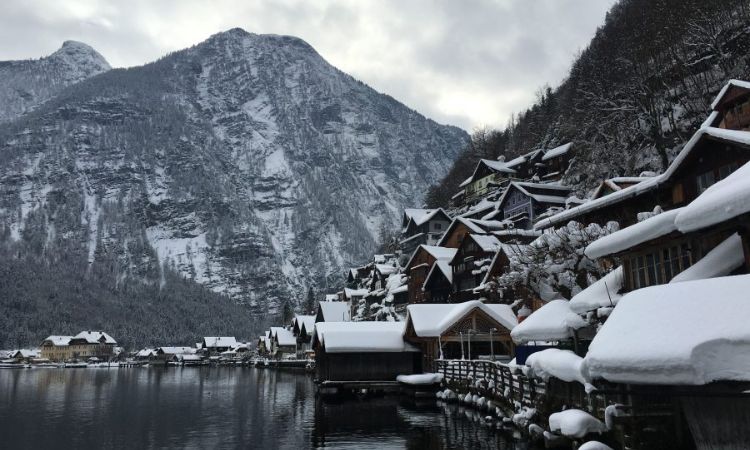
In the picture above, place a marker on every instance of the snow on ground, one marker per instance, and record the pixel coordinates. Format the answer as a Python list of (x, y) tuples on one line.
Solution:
[(420, 379), (693, 332), (561, 364), (602, 293), (552, 322), (182, 252), (721, 261), (575, 423)]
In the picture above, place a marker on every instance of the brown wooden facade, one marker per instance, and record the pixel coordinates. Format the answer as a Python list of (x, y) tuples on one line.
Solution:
[(468, 338), (417, 269), (463, 264)]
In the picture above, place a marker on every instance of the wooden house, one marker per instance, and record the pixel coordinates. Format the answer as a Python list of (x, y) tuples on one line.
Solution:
[(263, 346), (438, 284), (422, 226), (555, 162), (497, 266), (419, 266), (363, 351), (460, 227), (524, 202), (217, 344), (711, 154), (302, 329), (731, 107), (707, 238), (475, 251), (467, 330), (488, 175), (173, 353), (283, 343)]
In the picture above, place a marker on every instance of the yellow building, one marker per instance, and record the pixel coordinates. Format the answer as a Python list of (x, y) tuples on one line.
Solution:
[(84, 345)]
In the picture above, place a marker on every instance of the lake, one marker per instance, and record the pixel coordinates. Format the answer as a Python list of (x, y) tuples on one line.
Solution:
[(219, 408)]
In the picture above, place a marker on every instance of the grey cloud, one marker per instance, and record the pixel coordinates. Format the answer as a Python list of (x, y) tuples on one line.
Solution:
[(464, 63)]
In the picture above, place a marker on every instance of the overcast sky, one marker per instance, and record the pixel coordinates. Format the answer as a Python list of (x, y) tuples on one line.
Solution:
[(468, 63)]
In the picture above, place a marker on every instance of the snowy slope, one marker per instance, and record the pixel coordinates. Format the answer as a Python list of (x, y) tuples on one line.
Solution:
[(247, 163)]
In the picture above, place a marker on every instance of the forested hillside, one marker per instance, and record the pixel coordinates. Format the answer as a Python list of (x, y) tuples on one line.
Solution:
[(632, 98)]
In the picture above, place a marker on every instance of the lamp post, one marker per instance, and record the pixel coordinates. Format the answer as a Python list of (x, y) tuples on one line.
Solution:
[(461, 335), (492, 344)]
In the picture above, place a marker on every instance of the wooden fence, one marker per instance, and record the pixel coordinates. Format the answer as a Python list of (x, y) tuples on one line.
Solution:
[(492, 379)]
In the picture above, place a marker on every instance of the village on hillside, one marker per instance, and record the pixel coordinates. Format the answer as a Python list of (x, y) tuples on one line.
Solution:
[(621, 317), (618, 319)]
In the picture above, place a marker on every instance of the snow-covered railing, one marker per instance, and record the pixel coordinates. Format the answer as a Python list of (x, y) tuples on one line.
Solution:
[(492, 378)]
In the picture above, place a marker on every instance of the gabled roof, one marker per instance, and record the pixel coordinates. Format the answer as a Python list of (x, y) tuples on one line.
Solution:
[(550, 193), (557, 151), (95, 337), (335, 311), (440, 267), (58, 341), (361, 337), (509, 250), (283, 336), (434, 251), (176, 350), (474, 225), (488, 243), (223, 341), (741, 138), (731, 83), (492, 165), (432, 320), (308, 321), (349, 293), (617, 184)]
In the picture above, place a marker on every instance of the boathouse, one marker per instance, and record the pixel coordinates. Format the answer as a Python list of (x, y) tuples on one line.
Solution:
[(363, 351), (468, 330)]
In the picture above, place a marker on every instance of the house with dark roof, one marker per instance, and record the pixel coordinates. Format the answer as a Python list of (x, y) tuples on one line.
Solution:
[(422, 226), (524, 202), (420, 264), (474, 252)]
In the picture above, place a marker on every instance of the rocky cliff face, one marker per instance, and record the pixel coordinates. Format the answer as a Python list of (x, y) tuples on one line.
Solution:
[(247, 163), (26, 84)]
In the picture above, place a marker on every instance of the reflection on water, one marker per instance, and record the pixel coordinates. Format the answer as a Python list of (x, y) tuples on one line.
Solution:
[(216, 408)]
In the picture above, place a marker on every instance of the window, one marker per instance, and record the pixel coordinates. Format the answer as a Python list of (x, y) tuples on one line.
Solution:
[(438, 226), (705, 180), (659, 267)]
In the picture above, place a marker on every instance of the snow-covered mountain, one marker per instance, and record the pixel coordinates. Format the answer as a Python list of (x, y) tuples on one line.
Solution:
[(26, 84), (247, 163)]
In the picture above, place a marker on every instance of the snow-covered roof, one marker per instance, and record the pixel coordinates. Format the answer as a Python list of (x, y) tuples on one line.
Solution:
[(488, 243), (307, 320), (386, 269), (146, 352), (517, 232), (540, 192), (349, 293), (432, 320), (552, 322), (723, 91), (719, 262), (283, 336), (58, 341), (576, 424), (557, 151), (494, 165), (25, 353), (601, 293), (475, 226), (362, 337), (95, 337), (629, 237), (733, 136), (693, 333), (421, 216), (722, 201), (177, 350), (440, 266), (335, 311), (332, 297), (219, 341)]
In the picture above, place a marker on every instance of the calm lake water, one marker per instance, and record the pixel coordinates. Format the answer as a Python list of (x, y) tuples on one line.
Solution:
[(218, 408)]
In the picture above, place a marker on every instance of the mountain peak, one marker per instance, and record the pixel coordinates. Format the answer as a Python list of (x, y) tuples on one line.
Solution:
[(81, 55)]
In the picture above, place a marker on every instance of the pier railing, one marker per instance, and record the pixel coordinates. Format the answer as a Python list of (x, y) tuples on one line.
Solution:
[(492, 379)]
